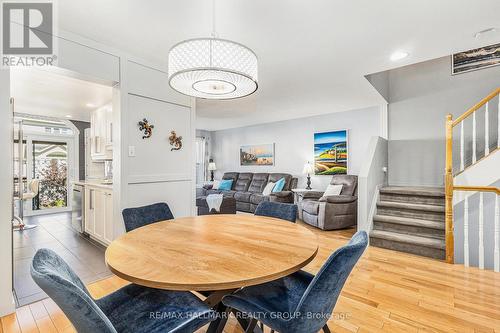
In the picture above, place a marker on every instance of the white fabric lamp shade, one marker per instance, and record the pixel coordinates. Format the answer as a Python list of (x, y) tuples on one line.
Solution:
[(308, 169), (212, 68), (212, 166)]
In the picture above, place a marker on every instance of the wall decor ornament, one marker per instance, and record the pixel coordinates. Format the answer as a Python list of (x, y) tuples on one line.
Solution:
[(257, 154), (330, 153), (471, 60), (145, 126), (175, 141)]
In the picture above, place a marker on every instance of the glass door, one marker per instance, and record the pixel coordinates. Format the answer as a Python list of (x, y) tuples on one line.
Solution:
[(50, 167)]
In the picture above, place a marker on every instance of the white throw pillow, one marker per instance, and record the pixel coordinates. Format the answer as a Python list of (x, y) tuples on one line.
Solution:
[(331, 190), (269, 187), (216, 185)]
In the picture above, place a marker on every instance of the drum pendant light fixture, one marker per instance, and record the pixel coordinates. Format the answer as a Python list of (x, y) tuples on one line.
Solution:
[(212, 68)]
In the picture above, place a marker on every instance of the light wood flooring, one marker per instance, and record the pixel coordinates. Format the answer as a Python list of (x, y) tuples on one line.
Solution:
[(388, 291)]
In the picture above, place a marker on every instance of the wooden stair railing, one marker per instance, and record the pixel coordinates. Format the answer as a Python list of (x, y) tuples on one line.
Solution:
[(449, 185)]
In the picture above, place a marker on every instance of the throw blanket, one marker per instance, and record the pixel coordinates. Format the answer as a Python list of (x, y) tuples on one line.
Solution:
[(214, 201)]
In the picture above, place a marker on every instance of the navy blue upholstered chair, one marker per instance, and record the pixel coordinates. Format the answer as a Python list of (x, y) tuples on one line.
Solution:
[(279, 210), (140, 216), (300, 302), (130, 309)]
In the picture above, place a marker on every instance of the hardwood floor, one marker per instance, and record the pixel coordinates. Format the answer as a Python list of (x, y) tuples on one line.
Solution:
[(387, 292)]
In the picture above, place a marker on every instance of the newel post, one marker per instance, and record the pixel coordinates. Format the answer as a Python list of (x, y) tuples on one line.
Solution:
[(449, 191)]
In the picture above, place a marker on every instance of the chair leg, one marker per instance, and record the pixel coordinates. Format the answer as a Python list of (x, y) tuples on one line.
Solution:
[(326, 329), (251, 326)]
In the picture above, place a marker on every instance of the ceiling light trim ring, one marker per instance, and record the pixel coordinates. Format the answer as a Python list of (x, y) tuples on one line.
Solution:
[(213, 68)]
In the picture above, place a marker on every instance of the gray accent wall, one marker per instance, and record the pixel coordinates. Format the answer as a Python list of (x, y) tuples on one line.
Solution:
[(293, 141), (420, 96)]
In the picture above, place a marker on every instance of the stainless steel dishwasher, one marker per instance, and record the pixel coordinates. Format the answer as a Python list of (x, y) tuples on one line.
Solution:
[(77, 215)]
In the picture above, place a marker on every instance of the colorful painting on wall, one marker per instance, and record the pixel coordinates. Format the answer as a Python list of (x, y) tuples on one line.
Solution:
[(257, 154), (471, 60), (330, 153)]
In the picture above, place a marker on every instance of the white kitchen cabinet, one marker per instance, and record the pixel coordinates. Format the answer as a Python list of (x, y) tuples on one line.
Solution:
[(108, 217), (101, 133), (99, 214), (89, 210)]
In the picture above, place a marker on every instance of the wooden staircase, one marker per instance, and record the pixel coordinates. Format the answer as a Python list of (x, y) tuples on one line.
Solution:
[(411, 219)]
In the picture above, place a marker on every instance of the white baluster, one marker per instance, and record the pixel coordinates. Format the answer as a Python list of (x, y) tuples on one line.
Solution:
[(462, 153), (466, 231), (473, 138), (498, 122), (487, 130), (481, 231), (497, 236)]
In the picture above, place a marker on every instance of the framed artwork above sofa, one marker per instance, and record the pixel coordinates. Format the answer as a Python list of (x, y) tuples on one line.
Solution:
[(257, 154), (331, 153)]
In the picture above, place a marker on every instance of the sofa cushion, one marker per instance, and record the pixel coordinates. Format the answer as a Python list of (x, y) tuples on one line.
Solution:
[(257, 198), (258, 183), (279, 186), (212, 191), (228, 194), (243, 206), (231, 175), (242, 196), (274, 177), (243, 182), (226, 185), (349, 182), (310, 206)]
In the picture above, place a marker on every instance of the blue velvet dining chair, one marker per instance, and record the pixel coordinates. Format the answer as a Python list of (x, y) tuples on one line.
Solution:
[(279, 210), (300, 302), (140, 216), (130, 309)]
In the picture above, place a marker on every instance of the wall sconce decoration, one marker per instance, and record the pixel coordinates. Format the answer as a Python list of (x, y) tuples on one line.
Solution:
[(146, 127), (175, 141)]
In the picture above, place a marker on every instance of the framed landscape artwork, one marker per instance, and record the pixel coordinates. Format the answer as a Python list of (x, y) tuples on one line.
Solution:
[(257, 154), (471, 60), (330, 153)]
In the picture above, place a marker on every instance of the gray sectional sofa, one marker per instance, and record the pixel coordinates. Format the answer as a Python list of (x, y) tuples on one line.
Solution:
[(247, 189)]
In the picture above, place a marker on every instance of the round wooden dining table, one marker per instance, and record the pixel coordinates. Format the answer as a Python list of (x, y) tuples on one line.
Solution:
[(211, 252)]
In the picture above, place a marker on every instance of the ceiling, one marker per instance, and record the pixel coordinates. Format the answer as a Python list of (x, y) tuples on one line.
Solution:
[(313, 55), (45, 93)]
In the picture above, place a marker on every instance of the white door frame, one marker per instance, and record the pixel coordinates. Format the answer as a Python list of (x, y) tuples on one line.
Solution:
[(72, 166)]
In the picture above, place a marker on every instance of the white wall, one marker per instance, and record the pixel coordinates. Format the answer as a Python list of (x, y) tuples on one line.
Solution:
[(6, 297), (155, 173), (372, 177), (294, 145)]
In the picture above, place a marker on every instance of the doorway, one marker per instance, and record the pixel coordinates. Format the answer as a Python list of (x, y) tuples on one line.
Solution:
[(51, 113)]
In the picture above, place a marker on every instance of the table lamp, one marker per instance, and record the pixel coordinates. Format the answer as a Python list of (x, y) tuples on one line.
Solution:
[(212, 167), (308, 170)]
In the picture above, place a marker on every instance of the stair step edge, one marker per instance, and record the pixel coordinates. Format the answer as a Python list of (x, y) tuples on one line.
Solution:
[(410, 206), (409, 239), (409, 221), (416, 191)]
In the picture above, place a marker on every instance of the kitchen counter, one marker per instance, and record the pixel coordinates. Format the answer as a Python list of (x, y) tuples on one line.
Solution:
[(94, 183)]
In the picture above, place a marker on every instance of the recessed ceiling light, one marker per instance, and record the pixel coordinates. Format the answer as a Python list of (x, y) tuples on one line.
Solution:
[(90, 105), (483, 32), (68, 116), (398, 55)]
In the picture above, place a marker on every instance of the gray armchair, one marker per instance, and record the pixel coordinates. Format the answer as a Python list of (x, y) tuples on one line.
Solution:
[(333, 212)]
